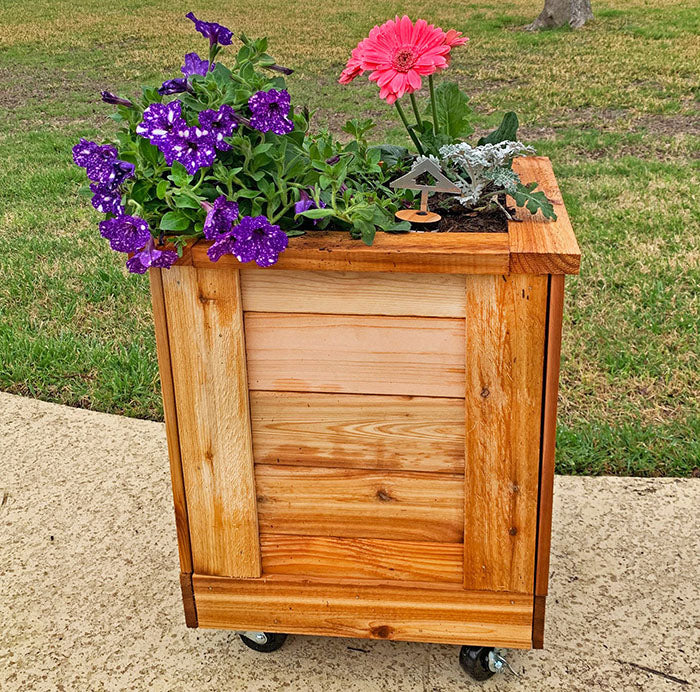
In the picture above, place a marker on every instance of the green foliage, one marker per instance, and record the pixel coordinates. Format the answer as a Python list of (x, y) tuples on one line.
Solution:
[(507, 131), (453, 111), (525, 196)]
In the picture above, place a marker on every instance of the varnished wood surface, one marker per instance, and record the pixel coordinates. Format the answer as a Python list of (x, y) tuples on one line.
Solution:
[(358, 431), (432, 253), (356, 503), (361, 558), (505, 355), (171, 422), (538, 245), (346, 609), (208, 360), (188, 599), (357, 354), (549, 432), (353, 293)]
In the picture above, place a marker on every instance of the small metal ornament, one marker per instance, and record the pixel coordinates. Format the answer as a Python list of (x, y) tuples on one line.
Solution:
[(408, 181)]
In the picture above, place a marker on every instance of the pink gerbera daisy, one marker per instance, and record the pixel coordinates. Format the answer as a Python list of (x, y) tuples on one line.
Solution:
[(354, 67), (398, 53)]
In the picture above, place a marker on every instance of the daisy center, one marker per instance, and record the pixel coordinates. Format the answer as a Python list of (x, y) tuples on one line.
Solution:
[(404, 59)]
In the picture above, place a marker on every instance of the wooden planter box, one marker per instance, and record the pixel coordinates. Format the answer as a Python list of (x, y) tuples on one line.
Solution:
[(362, 439)]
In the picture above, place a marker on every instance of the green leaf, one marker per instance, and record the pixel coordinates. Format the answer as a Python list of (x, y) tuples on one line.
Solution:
[(390, 153), (179, 174), (453, 110), (432, 142), (507, 131), (186, 202), (161, 189), (525, 196), (317, 213), (174, 221)]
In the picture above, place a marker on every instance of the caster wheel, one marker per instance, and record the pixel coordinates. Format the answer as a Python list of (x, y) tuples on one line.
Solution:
[(264, 642), (475, 661)]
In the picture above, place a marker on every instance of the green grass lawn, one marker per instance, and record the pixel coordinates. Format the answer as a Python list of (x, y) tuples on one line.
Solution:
[(615, 105)]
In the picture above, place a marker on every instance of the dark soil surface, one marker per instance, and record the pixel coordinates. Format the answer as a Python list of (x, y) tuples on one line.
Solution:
[(457, 219)]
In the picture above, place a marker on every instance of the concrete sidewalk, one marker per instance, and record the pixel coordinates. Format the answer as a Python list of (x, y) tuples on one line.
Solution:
[(90, 594)]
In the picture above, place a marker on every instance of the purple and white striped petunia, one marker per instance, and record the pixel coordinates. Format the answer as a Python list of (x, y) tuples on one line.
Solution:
[(107, 199), (216, 33), (219, 124), (195, 65), (270, 111), (161, 121), (220, 218), (149, 256), (254, 238), (125, 233), (194, 151)]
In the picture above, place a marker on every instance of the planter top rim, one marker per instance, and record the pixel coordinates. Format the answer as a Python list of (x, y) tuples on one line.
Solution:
[(532, 245)]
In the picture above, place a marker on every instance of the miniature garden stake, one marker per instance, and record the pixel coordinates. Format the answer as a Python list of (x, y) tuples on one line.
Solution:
[(410, 182)]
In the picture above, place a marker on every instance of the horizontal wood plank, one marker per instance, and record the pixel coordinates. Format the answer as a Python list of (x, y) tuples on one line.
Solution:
[(340, 558), (539, 246), (358, 431), (354, 293), (356, 503), (423, 253), (328, 608), (359, 354)]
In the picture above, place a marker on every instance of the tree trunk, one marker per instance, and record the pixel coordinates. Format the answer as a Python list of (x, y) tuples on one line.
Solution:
[(556, 13)]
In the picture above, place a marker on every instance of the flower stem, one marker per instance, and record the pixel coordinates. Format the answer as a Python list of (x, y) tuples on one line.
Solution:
[(411, 133), (433, 105), (416, 112)]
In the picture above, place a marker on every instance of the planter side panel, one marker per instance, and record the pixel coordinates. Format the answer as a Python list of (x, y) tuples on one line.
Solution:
[(506, 318), (208, 363)]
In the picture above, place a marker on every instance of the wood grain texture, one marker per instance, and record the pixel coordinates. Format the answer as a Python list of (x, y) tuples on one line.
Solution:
[(538, 246), (361, 558), (188, 599), (328, 608), (423, 253), (208, 358), (353, 293), (538, 622), (505, 347), (355, 354), (355, 503), (358, 431), (549, 432), (171, 425)]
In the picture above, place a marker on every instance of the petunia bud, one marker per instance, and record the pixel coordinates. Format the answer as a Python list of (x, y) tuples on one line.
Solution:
[(279, 68), (109, 97), (174, 86)]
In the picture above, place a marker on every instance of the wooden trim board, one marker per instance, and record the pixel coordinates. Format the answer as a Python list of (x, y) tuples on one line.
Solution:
[(422, 613)]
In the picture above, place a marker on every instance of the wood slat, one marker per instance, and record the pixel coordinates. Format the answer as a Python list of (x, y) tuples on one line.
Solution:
[(358, 431), (340, 558), (358, 354), (423, 253), (355, 503), (208, 360), (505, 347), (171, 426), (549, 431), (353, 293), (327, 608), (539, 246)]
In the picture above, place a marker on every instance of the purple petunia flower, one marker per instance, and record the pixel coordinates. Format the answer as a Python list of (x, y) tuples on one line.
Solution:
[(107, 199), (149, 256), (270, 111), (125, 233), (194, 151), (195, 65), (254, 238), (121, 170), (211, 30), (306, 202), (220, 218), (96, 159), (219, 124), (174, 86), (161, 121), (83, 151), (109, 97)]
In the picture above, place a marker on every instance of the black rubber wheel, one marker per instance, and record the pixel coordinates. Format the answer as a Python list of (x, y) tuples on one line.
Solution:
[(274, 642), (475, 661)]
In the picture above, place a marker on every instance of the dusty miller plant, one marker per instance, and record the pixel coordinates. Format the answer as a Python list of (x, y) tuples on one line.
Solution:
[(484, 173)]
